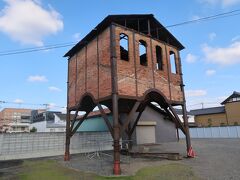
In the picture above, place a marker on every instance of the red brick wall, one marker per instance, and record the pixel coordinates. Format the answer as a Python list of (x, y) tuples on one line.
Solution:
[(72, 81), (146, 77), (84, 70), (86, 76), (105, 84)]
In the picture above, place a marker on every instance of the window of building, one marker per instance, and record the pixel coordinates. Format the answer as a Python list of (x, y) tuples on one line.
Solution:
[(124, 47), (159, 63), (143, 53), (173, 62)]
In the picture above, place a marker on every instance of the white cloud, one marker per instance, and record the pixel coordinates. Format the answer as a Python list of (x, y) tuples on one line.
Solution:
[(53, 88), (210, 72), (190, 58), (77, 36), (195, 17), (223, 3), (27, 22), (37, 78), (223, 55), (19, 101), (236, 38), (196, 93), (51, 105), (229, 2), (212, 36)]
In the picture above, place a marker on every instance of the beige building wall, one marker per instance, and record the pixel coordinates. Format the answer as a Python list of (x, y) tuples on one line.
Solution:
[(9, 115), (233, 112), (211, 120)]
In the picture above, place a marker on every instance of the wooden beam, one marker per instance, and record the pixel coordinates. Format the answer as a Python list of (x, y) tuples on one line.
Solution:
[(104, 116), (135, 123), (74, 119), (79, 123), (175, 117), (130, 115)]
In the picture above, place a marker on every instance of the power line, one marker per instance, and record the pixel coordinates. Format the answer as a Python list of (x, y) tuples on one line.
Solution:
[(43, 48), (55, 46), (207, 18), (31, 104)]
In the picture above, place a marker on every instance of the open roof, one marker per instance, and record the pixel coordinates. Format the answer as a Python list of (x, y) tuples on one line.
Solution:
[(138, 22)]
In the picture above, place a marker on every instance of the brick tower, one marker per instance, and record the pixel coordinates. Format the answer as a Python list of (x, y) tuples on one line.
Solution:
[(125, 63)]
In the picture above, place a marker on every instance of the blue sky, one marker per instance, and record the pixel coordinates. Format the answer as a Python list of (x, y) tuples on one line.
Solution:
[(211, 59)]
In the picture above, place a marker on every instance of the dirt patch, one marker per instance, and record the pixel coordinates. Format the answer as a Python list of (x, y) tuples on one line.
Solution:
[(7, 164)]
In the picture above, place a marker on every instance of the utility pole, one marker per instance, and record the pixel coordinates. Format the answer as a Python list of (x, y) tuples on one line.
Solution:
[(46, 109)]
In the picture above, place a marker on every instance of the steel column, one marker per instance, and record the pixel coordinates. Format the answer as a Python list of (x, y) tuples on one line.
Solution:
[(116, 128), (184, 109), (68, 136), (185, 119)]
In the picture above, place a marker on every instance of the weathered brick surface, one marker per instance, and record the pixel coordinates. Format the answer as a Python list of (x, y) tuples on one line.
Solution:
[(86, 76), (105, 84), (146, 77), (126, 69), (81, 67), (161, 76), (83, 76), (92, 68), (72, 81)]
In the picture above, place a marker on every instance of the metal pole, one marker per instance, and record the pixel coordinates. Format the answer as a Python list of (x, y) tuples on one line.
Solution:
[(68, 132), (68, 136), (116, 128), (184, 109), (185, 118)]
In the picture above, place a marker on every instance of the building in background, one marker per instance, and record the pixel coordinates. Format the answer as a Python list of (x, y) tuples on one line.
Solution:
[(12, 118), (227, 114), (48, 121)]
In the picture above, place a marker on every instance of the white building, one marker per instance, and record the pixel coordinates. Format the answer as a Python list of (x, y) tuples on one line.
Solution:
[(56, 124)]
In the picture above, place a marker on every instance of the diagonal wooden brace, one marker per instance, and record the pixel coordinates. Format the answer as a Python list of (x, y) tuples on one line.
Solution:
[(79, 123), (175, 117), (129, 117), (104, 116)]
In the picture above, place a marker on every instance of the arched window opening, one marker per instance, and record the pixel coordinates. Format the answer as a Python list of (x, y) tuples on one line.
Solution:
[(159, 63), (124, 47), (143, 53), (173, 62)]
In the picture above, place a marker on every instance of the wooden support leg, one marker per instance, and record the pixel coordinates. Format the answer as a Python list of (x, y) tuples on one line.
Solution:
[(68, 136)]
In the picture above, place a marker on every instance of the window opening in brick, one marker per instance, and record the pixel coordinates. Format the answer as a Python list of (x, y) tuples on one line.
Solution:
[(124, 47), (143, 53), (173, 62), (159, 63)]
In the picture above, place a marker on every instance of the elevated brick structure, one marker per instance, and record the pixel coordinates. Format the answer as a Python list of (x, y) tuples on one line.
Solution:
[(125, 63)]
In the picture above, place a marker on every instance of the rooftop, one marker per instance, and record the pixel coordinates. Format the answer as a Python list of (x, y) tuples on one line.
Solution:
[(137, 22), (235, 94), (213, 110)]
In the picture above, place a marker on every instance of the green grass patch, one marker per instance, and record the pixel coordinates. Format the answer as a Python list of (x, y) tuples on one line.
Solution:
[(50, 169)]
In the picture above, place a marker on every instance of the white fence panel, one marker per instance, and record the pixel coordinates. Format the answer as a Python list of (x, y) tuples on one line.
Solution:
[(30, 145), (213, 132)]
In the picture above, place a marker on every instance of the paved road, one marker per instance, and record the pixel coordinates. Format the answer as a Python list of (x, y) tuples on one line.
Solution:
[(216, 158)]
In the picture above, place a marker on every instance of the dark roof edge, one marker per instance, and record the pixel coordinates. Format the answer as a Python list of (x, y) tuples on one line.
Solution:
[(234, 94), (105, 23)]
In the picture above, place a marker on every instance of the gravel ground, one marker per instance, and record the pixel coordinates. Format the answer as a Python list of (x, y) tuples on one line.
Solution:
[(216, 159)]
